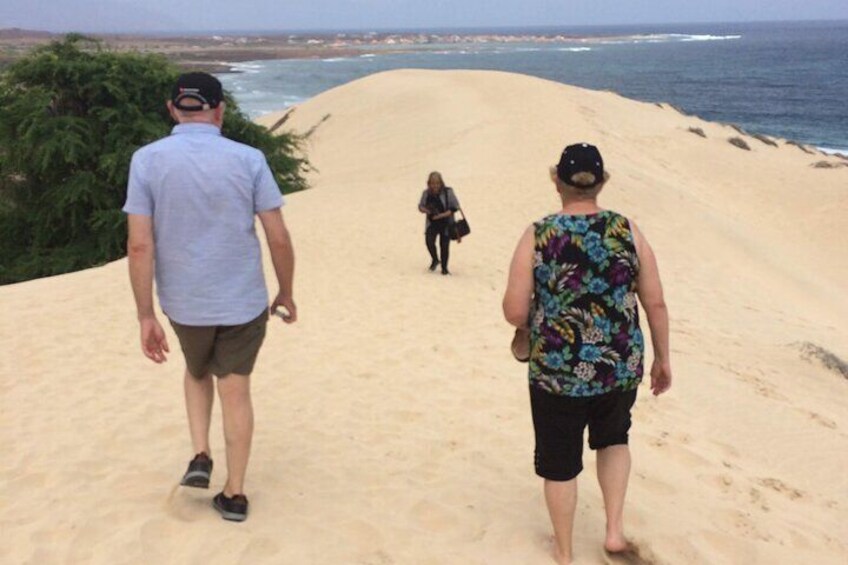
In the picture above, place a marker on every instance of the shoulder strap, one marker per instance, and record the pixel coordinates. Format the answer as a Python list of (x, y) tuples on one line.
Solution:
[(448, 192)]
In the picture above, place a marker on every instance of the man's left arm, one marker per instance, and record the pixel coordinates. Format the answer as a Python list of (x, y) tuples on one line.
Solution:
[(282, 257)]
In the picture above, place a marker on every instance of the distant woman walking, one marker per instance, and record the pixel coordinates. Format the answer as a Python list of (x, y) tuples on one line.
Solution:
[(572, 287), (439, 203)]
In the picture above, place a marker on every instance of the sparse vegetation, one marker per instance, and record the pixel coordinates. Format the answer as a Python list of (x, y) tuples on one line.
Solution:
[(802, 147), (811, 351), (828, 165), (739, 142), (765, 139)]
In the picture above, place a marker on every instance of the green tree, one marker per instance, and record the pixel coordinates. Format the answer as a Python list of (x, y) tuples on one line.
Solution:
[(71, 115)]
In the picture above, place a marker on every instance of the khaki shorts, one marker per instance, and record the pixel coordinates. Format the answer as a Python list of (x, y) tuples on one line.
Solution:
[(221, 350)]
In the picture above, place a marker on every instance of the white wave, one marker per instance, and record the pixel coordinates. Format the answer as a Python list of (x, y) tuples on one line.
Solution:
[(668, 38), (709, 37), (334, 59), (251, 68), (367, 55), (833, 151), (574, 49)]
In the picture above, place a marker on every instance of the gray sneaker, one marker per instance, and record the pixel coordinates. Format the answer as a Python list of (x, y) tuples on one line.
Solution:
[(233, 509), (198, 473)]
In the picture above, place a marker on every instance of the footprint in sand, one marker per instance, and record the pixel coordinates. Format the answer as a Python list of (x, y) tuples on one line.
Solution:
[(655, 486), (779, 486), (637, 553), (433, 517), (759, 500), (184, 506), (728, 450), (826, 422), (260, 550), (378, 557)]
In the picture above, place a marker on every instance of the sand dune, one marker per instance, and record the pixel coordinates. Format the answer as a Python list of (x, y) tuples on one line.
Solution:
[(393, 426)]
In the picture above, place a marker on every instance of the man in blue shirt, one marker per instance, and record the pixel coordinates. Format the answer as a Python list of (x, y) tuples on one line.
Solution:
[(191, 202)]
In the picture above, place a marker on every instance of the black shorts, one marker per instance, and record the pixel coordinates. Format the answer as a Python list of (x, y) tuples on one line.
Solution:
[(221, 350), (559, 422)]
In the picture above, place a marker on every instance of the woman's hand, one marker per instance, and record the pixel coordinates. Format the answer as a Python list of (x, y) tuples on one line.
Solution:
[(660, 377)]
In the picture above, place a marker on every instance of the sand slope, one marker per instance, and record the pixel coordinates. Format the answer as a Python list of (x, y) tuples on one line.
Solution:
[(392, 424)]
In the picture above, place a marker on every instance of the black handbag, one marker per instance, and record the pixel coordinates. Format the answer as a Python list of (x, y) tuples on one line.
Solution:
[(460, 227)]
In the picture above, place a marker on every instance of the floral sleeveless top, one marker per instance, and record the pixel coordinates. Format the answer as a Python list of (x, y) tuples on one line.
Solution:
[(584, 330)]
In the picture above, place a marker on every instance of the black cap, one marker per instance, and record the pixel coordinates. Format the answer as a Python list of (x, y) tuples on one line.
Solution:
[(580, 158), (204, 89)]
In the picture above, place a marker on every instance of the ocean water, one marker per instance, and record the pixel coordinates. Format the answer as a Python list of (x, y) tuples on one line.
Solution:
[(787, 79)]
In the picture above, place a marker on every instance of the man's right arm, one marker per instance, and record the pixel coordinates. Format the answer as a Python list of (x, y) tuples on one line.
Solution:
[(140, 257), (282, 257)]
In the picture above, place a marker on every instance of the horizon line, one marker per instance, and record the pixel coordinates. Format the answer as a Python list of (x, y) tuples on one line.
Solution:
[(399, 30)]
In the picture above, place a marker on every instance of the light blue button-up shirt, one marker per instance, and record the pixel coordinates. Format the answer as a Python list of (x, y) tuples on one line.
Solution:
[(203, 192)]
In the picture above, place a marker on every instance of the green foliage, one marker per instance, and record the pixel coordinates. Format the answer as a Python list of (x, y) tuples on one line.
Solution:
[(71, 116)]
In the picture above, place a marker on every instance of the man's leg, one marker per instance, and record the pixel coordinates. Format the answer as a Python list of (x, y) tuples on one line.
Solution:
[(237, 412), (561, 498), (613, 464), (199, 395)]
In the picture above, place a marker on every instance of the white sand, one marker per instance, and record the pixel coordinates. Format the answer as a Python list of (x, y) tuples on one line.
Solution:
[(393, 425)]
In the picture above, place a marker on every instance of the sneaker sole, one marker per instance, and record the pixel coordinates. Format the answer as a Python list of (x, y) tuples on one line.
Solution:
[(231, 516), (196, 480)]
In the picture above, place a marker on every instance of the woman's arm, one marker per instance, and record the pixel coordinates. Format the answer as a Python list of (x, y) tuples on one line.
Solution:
[(453, 201), (650, 291), (422, 204), (519, 288)]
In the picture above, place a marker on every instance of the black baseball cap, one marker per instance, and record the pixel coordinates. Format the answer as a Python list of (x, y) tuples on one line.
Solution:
[(580, 158), (202, 88)]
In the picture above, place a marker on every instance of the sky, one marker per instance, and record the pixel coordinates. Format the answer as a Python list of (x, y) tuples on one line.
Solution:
[(284, 15)]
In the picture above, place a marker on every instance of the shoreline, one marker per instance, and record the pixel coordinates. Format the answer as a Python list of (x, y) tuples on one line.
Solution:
[(217, 53)]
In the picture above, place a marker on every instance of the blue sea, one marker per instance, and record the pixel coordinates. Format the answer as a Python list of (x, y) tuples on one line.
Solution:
[(786, 79)]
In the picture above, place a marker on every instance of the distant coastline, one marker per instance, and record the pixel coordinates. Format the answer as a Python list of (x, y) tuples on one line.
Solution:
[(217, 53), (706, 69)]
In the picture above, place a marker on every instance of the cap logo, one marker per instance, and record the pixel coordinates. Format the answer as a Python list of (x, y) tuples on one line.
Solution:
[(202, 89)]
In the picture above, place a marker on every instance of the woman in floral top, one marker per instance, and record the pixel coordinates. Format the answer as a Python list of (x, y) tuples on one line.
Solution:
[(573, 287)]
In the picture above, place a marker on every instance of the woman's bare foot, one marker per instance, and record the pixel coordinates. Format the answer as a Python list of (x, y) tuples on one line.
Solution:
[(616, 543), (560, 558), (623, 551)]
